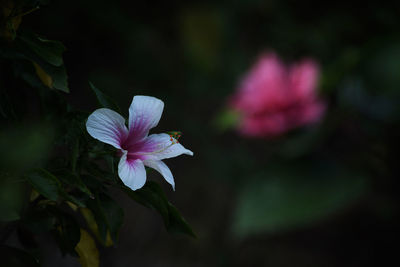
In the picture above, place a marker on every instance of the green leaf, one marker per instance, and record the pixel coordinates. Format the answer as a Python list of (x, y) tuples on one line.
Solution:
[(25, 70), (67, 233), (152, 196), (74, 180), (45, 183), (176, 223), (114, 215), (52, 77), (104, 100), (47, 55), (51, 187), (77, 201), (100, 175), (48, 50), (108, 214), (16, 257), (284, 199)]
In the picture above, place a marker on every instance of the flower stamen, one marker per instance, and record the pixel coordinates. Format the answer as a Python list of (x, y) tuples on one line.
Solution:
[(160, 148)]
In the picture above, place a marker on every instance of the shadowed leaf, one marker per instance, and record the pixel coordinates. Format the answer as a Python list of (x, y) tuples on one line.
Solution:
[(45, 183), (152, 196), (296, 197), (16, 257), (104, 100), (108, 215)]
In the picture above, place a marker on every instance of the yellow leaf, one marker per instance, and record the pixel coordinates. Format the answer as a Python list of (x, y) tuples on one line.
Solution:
[(87, 251), (43, 76), (72, 206), (91, 221), (12, 16), (34, 195)]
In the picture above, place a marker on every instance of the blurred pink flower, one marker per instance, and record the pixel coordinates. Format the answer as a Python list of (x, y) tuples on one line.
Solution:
[(273, 98)]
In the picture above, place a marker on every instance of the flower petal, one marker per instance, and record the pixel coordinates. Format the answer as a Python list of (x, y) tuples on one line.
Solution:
[(263, 87), (303, 79), (107, 126), (132, 172), (144, 114), (163, 169), (165, 147)]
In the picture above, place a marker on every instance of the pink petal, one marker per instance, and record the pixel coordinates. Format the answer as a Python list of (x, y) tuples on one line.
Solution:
[(264, 126), (132, 172), (312, 112), (107, 126), (144, 114), (303, 79), (163, 169), (263, 87)]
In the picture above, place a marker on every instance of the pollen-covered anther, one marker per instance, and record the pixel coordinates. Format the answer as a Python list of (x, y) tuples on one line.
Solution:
[(173, 140)]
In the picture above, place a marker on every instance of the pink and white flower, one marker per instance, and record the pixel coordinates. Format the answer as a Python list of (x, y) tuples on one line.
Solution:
[(138, 149)]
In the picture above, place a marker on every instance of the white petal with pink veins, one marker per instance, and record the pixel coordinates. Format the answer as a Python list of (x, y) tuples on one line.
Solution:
[(163, 169), (107, 126), (144, 114), (138, 149), (132, 173), (166, 147)]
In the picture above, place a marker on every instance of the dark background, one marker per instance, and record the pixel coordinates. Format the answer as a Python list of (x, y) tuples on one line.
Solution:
[(323, 195)]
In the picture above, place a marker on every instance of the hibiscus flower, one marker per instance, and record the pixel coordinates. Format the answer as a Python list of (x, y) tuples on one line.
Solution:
[(138, 149), (273, 98)]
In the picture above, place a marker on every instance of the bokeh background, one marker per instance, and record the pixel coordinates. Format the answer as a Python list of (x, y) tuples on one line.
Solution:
[(321, 195)]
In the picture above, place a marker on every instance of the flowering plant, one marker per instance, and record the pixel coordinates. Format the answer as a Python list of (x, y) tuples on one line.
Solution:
[(57, 180), (137, 149)]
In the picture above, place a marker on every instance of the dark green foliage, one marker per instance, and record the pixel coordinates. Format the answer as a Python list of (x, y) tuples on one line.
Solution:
[(51, 170), (323, 190), (66, 231), (321, 195), (15, 257), (152, 196), (104, 100), (45, 183), (108, 214), (48, 50), (47, 54), (29, 49), (73, 180)]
